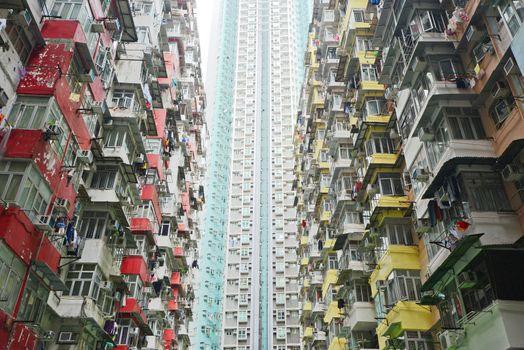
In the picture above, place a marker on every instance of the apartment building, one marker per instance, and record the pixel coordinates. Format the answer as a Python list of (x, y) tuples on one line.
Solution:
[(102, 165), (409, 166)]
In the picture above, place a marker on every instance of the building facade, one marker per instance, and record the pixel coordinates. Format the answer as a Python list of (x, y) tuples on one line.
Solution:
[(260, 287), (409, 170), (102, 165)]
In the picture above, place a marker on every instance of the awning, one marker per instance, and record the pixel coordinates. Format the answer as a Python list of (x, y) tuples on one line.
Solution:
[(460, 249), (51, 279), (125, 16), (151, 125), (340, 241), (393, 331)]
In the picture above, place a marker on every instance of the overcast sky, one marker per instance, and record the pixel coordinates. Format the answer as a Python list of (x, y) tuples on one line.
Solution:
[(206, 9)]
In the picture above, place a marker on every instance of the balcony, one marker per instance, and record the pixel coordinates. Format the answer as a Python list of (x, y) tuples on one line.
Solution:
[(135, 265), (96, 251), (395, 257), (319, 336), (360, 316), (405, 315), (382, 206), (82, 308), (133, 309), (338, 343)]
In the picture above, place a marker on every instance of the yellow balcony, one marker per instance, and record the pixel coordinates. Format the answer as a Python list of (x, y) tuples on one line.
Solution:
[(304, 261), (307, 307), (308, 333), (367, 57), (378, 119), (325, 215), (369, 85), (333, 312), (318, 99), (384, 159), (329, 278), (404, 316), (338, 343), (304, 240), (383, 207), (306, 283), (397, 257)]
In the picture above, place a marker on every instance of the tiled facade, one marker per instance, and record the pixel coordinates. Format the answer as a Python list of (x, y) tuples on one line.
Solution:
[(409, 171), (102, 163)]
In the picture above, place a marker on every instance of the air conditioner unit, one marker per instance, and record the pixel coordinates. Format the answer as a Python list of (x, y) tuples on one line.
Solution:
[(113, 25), (67, 338), (44, 222), (466, 280), (62, 204), (512, 173), (450, 339), (501, 111), (149, 290), (500, 89), (97, 27), (420, 174), (107, 285), (99, 107), (85, 156), (419, 64), (88, 77), (510, 67), (425, 134)]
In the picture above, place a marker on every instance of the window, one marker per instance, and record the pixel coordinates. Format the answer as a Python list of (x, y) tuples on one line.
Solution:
[(358, 15), (93, 224), (21, 43), (390, 184), (399, 234), (402, 285), (280, 298), (485, 192), (378, 143), (369, 72), (76, 10), (281, 315), (125, 99), (23, 184), (12, 271), (281, 332), (465, 124), (29, 112), (84, 280), (344, 151), (34, 300), (513, 14), (104, 179), (103, 65), (375, 107)]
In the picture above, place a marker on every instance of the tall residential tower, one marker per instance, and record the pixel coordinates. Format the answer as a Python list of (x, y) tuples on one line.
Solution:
[(256, 91)]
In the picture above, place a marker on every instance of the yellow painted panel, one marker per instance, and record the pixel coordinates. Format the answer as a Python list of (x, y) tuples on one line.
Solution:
[(332, 312), (338, 343), (307, 306), (384, 158), (401, 202), (304, 240), (372, 85), (323, 165), (330, 243), (329, 279), (412, 317), (325, 215), (357, 4), (324, 190), (304, 261), (308, 332), (397, 257), (381, 118)]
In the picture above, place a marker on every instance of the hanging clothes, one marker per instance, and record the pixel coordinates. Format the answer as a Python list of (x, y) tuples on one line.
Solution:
[(341, 303), (320, 245), (431, 212)]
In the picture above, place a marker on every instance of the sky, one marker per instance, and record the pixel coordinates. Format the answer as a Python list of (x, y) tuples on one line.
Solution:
[(205, 11)]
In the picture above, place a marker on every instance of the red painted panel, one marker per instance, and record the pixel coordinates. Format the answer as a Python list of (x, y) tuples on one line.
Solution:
[(185, 202), (132, 307), (155, 162), (30, 144), (43, 71), (22, 338), (135, 265), (19, 234), (175, 278), (140, 225), (172, 305), (149, 193), (160, 121), (182, 228), (122, 347), (178, 251), (64, 29)]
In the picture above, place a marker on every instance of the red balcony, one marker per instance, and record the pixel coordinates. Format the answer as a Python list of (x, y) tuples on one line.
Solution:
[(178, 252), (30, 144), (133, 311), (21, 338), (169, 338), (176, 279), (150, 193), (143, 226), (19, 234), (185, 203), (172, 305), (183, 229), (160, 115), (135, 265)]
